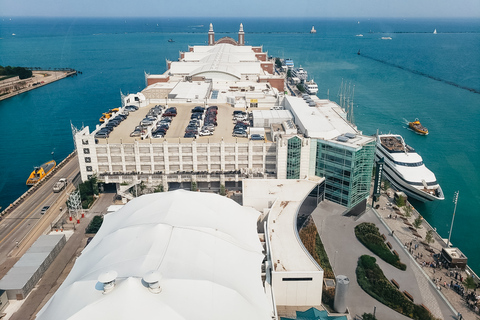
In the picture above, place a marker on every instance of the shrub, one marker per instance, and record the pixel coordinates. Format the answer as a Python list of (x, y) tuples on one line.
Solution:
[(312, 242), (372, 280), (368, 234), (94, 225), (328, 296)]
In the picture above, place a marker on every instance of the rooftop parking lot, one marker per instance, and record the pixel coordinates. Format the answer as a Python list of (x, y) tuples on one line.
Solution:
[(223, 130)]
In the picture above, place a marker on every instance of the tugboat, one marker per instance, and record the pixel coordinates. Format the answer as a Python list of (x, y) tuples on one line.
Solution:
[(417, 127), (40, 172)]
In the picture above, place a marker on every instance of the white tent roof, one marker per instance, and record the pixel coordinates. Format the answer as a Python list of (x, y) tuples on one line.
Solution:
[(205, 247)]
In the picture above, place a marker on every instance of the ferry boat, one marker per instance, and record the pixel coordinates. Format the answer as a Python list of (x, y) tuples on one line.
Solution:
[(40, 172), (405, 169), (417, 127), (311, 87), (313, 30)]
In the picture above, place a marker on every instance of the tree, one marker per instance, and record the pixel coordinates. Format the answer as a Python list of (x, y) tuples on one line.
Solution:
[(300, 87), (408, 210), (193, 187), (158, 188), (429, 236), (400, 202), (289, 73), (368, 316), (385, 185), (469, 283), (418, 222), (95, 224), (278, 63), (222, 190)]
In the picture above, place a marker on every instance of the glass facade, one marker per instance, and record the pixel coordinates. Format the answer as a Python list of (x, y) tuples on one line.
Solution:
[(347, 171), (294, 152)]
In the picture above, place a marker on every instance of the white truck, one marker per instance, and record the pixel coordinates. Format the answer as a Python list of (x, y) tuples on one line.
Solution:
[(60, 185)]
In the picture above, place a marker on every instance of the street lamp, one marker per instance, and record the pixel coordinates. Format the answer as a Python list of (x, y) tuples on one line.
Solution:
[(334, 260)]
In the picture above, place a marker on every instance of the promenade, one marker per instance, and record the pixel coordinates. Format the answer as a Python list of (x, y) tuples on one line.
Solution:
[(440, 278), (424, 279)]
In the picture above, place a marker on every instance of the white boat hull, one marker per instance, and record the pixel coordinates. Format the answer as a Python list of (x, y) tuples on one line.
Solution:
[(412, 192)]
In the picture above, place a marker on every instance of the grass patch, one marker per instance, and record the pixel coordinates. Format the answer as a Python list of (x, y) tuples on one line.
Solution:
[(368, 234), (372, 280)]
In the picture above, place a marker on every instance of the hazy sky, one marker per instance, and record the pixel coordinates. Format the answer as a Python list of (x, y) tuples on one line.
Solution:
[(245, 8)]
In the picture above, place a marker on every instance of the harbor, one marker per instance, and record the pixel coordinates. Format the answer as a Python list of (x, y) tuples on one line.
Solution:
[(420, 207)]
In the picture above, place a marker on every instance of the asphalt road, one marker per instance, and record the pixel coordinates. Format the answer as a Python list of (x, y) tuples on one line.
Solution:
[(22, 226)]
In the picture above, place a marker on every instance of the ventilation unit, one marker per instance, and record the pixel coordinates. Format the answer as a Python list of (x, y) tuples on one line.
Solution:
[(152, 279), (108, 280)]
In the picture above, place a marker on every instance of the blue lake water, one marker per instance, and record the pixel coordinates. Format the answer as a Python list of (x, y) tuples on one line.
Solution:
[(113, 55)]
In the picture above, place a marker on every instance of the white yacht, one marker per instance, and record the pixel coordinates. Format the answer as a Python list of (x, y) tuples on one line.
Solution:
[(300, 73), (311, 87), (404, 168)]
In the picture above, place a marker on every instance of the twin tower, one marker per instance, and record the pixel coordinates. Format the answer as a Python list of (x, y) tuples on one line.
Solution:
[(241, 37)]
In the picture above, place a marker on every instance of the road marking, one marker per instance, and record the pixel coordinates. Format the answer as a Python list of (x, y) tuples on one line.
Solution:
[(33, 211)]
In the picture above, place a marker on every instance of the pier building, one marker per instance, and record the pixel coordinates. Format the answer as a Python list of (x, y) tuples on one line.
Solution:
[(288, 137)]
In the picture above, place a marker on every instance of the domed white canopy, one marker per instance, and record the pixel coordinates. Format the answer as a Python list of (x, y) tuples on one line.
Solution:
[(204, 246)]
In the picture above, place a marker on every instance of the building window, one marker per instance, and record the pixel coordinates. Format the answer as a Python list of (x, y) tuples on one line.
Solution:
[(89, 168), (88, 159), (89, 176), (294, 153), (84, 141), (86, 151)]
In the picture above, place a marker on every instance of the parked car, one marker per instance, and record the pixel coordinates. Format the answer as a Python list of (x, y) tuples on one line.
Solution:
[(209, 127), (190, 135), (205, 133), (256, 137), (240, 134), (131, 108), (102, 135), (198, 109)]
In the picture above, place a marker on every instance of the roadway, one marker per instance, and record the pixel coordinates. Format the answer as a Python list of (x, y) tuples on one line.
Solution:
[(24, 224)]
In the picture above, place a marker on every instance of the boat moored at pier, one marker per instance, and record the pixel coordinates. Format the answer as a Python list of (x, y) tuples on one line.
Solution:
[(405, 169), (40, 172), (311, 87)]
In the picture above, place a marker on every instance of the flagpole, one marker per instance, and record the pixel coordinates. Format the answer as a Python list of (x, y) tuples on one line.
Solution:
[(453, 218)]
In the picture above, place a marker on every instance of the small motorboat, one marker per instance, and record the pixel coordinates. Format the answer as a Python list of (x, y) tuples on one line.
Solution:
[(417, 127)]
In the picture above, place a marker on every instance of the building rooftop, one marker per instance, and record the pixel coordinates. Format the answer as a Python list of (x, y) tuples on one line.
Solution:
[(204, 246), (223, 131), (326, 121), (30, 262), (285, 196)]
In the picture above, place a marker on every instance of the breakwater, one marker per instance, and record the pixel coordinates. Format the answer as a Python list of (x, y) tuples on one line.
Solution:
[(420, 73)]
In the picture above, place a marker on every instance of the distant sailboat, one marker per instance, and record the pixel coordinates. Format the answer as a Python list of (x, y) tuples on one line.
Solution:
[(435, 31), (313, 30)]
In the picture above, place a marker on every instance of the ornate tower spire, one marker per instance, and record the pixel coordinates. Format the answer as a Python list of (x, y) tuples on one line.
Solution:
[(211, 36), (241, 36)]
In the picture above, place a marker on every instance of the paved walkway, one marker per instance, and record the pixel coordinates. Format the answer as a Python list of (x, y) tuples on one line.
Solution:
[(344, 249)]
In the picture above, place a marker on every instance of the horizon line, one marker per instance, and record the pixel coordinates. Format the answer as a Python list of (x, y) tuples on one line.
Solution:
[(249, 17)]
